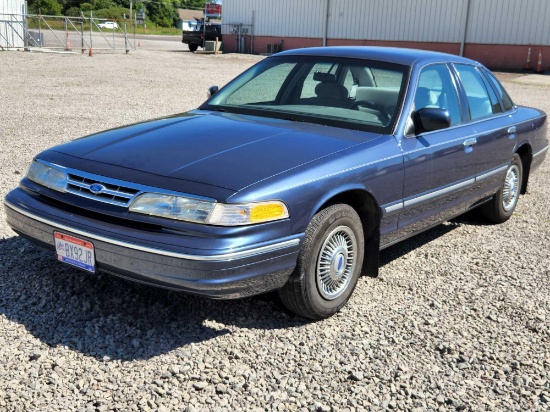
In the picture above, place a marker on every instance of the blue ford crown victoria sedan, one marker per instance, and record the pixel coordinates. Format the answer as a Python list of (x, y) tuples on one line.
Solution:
[(292, 177)]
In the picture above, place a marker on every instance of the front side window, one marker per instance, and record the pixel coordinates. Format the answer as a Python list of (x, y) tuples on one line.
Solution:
[(324, 90), (436, 89)]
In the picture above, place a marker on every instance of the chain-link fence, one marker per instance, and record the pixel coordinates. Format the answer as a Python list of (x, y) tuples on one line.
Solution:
[(65, 33)]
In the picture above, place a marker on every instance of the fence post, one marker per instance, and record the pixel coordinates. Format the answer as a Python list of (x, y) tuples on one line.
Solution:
[(82, 34), (125, 36), (26, 26), (91, 33), (40, 28), (67, 38)]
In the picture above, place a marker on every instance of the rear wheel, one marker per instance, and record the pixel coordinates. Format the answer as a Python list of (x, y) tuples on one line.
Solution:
[(193, 47), (329, 264), (502, 205)]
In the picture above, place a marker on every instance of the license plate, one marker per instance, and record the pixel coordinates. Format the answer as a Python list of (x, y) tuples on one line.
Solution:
[(75, 251)]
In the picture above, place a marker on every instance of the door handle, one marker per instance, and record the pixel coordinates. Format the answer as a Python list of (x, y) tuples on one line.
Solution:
[(512, 130), (470, 142)]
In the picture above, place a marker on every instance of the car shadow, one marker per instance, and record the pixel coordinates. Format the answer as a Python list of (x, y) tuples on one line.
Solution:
[(107, 317), (402, 248), (470, 218), (104, 316)]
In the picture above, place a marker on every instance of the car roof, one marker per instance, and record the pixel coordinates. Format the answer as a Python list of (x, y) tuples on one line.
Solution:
[(409, 57)]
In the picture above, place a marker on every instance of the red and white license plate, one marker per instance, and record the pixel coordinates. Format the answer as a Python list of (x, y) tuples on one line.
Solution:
[(75, 251)]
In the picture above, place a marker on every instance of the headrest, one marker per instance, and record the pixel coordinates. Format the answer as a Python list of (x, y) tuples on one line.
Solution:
[(324, 77), (331, 90), (423, 98)]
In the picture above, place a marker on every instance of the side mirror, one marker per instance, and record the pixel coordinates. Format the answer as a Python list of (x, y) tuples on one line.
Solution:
[(212, 90), (430, 119)]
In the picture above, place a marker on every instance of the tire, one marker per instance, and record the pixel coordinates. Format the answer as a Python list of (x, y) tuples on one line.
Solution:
[(329, 264), (193, 47), (502, 205)]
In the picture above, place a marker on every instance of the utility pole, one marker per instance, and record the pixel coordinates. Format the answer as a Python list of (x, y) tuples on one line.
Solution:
[(131, 15)]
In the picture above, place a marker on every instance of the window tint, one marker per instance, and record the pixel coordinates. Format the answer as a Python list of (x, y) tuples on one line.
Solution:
[(506, 101), (479, 102), (436, 89), (263, 88)]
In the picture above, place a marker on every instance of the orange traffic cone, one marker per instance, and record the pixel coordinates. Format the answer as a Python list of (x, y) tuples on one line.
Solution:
[(139, 44), (90, 52), (539, 64)]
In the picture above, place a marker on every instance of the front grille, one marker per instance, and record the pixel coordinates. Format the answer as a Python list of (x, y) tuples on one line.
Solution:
[(109, 192)]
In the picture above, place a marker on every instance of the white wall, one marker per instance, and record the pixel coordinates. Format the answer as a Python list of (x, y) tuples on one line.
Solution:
[(11, 27), (489, 21)]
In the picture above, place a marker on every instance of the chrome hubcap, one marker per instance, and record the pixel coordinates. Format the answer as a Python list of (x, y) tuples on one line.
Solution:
[(510, 191), (336, 262)]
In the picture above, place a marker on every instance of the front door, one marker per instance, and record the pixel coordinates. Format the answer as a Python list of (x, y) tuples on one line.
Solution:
[(439, 165)]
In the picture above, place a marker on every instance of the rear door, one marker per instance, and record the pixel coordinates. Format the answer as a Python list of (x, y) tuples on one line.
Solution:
[(496, 132)]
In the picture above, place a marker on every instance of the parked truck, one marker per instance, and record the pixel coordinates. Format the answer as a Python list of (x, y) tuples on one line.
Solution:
[(197, 38)]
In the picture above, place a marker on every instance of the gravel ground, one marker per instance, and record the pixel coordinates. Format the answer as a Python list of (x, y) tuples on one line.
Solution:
[(457, 320)]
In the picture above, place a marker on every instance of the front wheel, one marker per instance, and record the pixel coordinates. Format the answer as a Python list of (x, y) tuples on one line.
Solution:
[(502, 205), (329, 264)]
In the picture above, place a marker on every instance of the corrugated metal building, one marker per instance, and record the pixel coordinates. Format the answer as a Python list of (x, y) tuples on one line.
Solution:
[(11, 23), (497, 33)]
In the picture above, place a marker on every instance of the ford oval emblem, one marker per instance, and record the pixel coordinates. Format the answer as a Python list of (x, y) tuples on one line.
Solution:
[(96, 188)]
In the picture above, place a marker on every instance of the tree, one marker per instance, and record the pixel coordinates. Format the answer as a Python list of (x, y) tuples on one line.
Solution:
[(162, 13), (47, 7), (192, 4)]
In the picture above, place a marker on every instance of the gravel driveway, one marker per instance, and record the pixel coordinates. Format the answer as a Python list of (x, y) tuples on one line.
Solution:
[(457, 320)]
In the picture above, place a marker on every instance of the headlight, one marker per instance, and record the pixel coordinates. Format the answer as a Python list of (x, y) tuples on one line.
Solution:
[(172, 207), (206, 212), (47, 176)]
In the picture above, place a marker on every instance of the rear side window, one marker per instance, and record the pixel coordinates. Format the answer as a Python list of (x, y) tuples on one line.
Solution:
[(495, 103), (386, 78), (477, 94), (506, 101)]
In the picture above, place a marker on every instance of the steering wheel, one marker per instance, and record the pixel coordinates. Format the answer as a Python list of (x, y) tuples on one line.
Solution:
[(381, 112)]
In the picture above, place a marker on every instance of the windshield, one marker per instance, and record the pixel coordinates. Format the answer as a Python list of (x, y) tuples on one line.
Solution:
[(351, 93)]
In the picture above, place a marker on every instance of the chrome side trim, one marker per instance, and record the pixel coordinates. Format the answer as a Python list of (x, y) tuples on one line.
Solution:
[(540, 152), (437, 193), (491, 173), (393, 208), (212, 258)]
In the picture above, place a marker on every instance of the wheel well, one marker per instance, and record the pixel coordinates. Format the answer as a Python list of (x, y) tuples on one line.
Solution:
[(363, 203), (526, 154), (369, 212)]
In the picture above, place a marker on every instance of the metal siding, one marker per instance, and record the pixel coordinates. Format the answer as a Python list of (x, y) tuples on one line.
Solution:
[(490, 21), (509, 22), (11, 27), (396, 20), (285, 18)]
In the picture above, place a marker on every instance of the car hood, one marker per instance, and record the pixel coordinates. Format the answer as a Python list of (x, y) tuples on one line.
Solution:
[(219, 149)]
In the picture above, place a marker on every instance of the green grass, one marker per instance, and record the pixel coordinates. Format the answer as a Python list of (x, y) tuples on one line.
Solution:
[(151, 29)]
